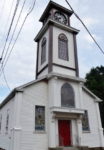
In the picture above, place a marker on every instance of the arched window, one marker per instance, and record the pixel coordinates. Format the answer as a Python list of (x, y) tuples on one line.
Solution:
[(63, 47), (67, 96), (43, 50)]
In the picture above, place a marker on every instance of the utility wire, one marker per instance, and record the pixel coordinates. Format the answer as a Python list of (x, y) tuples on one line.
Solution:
[(14, 30), (2, 67), (85, 28), (1, 84), (5, 79), (16, 7), (6, 25), (30, 11)]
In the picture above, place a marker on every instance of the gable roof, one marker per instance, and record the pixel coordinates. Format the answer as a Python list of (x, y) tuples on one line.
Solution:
[(19, 89), (9, 97), (32, 82), (97, 99)]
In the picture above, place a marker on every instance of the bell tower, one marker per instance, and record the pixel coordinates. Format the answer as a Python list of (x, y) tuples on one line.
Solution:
[(56, 43)]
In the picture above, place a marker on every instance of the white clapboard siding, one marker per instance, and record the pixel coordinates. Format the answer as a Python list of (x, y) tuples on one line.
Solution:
[(5, 138), (91, 138), (33, 95)]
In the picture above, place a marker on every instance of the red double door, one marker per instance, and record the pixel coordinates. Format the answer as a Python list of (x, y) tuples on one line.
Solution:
[(64, 133)]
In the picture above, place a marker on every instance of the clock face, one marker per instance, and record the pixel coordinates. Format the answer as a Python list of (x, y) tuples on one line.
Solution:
[(60, 17)]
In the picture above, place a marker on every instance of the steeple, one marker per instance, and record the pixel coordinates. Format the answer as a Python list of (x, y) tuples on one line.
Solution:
[(56, 43)]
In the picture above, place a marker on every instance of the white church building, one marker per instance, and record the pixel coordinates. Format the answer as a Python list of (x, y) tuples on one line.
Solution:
[(55, 111)]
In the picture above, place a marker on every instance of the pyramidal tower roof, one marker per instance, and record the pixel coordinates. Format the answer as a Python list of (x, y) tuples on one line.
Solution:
[(52, 4)]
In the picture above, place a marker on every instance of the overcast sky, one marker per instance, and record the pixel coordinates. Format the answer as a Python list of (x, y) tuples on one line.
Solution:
[(22, 62)]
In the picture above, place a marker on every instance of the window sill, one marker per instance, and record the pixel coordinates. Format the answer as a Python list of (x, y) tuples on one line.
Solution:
[(39, 132), (86, 131)]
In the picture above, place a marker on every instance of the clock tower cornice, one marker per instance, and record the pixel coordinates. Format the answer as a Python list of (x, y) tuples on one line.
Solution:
[(56, 24)]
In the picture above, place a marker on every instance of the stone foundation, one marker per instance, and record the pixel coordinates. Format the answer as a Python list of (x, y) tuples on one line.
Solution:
[(97, 148), (77, 148)]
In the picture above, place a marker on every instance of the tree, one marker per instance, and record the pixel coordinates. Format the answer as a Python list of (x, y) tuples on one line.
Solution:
[(95, 83)]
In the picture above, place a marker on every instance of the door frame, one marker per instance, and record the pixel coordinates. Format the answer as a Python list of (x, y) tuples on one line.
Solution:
[(70, 131)]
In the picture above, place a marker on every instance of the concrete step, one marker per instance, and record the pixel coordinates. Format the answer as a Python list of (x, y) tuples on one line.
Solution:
[(57, 148), (83, 148)]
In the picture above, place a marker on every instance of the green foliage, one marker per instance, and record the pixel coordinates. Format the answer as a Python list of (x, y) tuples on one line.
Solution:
[(95, 83)]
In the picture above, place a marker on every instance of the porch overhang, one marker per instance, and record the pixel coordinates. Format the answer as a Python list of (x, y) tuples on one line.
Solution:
[(67, 113)]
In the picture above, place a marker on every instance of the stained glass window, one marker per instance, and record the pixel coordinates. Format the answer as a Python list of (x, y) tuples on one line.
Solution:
[(7, 121), (85, 122), (43, 50), (39, 118), (63, 47), (67, 96)]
